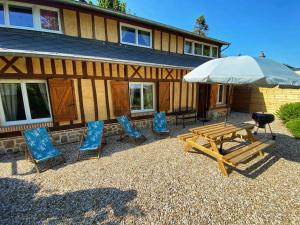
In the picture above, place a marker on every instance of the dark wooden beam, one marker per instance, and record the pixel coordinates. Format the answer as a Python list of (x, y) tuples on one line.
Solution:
[(106, 99), (95, 99), (81, 100), (78, 23)]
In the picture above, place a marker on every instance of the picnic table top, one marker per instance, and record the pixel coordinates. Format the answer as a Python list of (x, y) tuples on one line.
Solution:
[(217, 130)]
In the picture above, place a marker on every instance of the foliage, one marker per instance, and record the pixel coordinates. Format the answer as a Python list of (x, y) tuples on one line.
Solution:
[(116, 5), (294, 127), (201, 27), (289, 111)]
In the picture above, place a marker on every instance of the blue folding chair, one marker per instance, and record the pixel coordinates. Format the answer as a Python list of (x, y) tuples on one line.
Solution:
[(159, 126), (129, 130), (92, 138), (40, 146)]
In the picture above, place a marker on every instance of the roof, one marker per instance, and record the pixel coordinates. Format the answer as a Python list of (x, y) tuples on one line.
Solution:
[(40, 44), (138, 19)]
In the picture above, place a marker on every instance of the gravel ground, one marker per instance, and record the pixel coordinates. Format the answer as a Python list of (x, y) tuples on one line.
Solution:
[(155, 183)]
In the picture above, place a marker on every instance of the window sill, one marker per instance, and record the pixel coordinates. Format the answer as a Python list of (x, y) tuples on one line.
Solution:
[(145, 113)]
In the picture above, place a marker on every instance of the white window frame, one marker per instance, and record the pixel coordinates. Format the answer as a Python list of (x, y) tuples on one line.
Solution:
[(35, 15), (223, 95), (142, 110), (136, 28), (28, 120), (202, 54)]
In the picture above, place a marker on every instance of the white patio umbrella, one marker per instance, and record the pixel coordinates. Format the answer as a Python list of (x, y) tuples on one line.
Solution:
[(244, 70)]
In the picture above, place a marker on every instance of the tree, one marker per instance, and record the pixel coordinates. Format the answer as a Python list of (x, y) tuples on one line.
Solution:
[(116, 5), (201, 27)]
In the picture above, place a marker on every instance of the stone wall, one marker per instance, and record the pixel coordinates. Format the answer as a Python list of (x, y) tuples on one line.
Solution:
[(17, 144)]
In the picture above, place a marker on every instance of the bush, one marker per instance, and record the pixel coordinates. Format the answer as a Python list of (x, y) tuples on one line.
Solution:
[(289, 111), (294, 127)]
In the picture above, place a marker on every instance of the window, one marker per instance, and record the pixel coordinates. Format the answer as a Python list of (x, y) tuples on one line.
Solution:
[(221, 94), (20, 16), (24, 102), (188, 47), (141, 97), (199, 49), (135, 36), (206, 50), (128, 35), (1, 14), (49, 19), (28, 16), (214, 52)]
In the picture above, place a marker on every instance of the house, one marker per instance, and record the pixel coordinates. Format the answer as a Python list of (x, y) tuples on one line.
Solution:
[(63, 63)]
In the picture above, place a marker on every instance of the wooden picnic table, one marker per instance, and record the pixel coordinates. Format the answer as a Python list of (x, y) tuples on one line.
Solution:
[(217, 134)]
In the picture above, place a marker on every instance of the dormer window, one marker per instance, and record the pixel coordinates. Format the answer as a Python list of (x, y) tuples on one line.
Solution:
[(133, 35), (28, 16), (1, 14), (20, 16), (200, 49), (49, 19)]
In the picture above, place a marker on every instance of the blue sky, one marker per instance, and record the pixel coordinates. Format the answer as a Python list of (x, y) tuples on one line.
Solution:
[(272, 26)]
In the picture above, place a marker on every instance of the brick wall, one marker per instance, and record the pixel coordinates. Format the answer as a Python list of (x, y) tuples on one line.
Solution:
[(17, 144)]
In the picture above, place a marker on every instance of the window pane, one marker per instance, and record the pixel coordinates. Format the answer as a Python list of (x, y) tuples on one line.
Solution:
[(135, 96), (188, 47), (206, 50), (148, 96), (20, 16), (49, 20), (221, 89), (214, 52), (12, 101), (1, 14), (38, 100), (144, 38), (128, 35), (198, 49)]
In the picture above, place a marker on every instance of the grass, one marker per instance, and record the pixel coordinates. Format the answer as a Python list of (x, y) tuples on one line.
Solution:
[(294, 127)]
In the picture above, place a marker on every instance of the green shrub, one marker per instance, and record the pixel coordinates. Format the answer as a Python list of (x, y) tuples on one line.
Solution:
[(294, 127), (289, 111)]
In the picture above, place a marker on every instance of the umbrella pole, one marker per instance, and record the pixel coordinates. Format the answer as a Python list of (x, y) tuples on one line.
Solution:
[(229, 97)]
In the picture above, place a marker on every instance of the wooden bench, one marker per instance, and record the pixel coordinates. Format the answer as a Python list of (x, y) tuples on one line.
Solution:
[(185, 114), (240, 155), (184, 137)]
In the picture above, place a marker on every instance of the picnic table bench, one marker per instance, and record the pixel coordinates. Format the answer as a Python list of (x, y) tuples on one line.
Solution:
[(217, 134)]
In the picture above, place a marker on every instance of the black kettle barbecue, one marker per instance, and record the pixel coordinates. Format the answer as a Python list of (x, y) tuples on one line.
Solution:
[(263, 119)]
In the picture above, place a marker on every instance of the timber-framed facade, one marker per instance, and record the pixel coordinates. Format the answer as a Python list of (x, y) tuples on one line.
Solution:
[(88, 72)]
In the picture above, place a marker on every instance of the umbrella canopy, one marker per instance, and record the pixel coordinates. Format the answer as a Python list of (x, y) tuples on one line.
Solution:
[(244, 70)]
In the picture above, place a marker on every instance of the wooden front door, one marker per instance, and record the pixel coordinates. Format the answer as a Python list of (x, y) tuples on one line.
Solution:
[(203, 99)]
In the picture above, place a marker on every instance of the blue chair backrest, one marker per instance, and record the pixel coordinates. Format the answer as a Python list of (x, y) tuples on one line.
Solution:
[(94, 133), (125, 123), (160, 121), (38, 141)]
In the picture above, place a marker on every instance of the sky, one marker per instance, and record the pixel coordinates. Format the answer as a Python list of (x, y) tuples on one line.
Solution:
[(251, 26)]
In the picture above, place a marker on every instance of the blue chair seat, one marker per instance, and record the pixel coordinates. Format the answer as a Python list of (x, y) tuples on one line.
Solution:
[(135, 134), (162, 130), (160, 123), (50, 154), (40, 145), (128, 128), (93, 138)]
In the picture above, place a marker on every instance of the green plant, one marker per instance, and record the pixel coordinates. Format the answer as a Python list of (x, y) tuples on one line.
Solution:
[(294, 127), (289, 111)]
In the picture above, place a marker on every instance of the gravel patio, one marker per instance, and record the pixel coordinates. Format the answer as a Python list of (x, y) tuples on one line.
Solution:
[(155, 183)]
